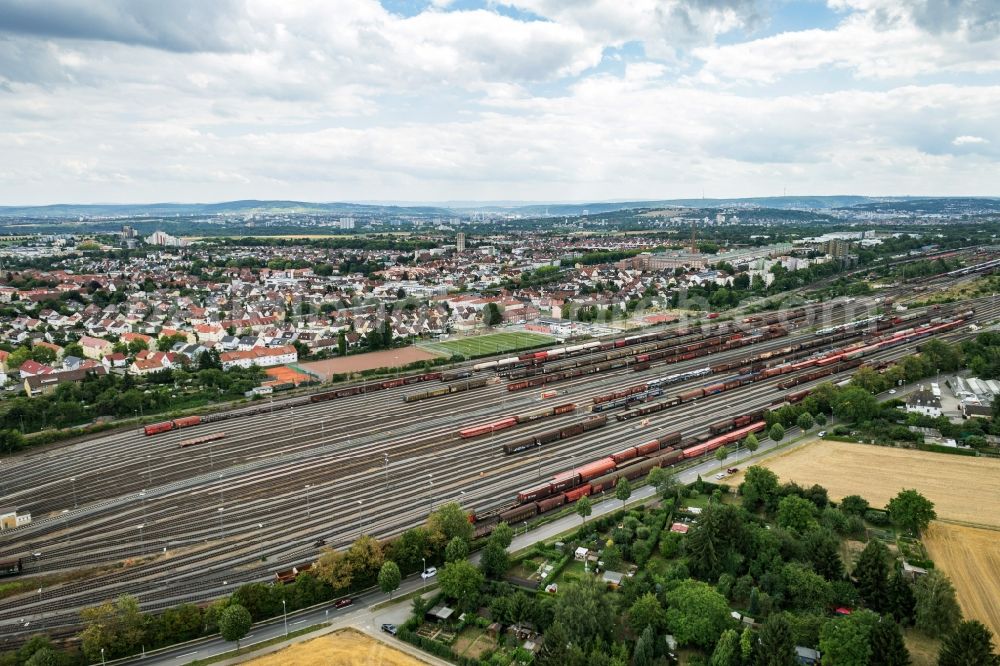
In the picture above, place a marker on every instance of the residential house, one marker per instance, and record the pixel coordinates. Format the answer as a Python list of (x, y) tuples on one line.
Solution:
[(41, 384), (259, 356), (95, 348)]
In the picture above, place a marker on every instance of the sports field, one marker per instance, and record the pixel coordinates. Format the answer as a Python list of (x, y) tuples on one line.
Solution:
[(492, 343)]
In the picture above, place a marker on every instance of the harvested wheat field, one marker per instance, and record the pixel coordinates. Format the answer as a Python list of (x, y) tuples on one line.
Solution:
[(959, 486), (971, 558), (344, 648)]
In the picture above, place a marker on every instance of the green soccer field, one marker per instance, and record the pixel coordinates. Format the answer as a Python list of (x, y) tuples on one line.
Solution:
[(494, 343)]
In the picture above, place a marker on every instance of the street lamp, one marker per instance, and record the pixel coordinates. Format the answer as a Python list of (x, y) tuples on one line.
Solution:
[(260, 542), (73, 481), (308, 508), (222, 528), (423, 571), (142, 540), (359, 518), (284, 611), (386, 458), (142, 495)]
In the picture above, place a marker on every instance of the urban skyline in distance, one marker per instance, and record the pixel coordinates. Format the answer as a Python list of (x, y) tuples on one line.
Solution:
[(499, 100)]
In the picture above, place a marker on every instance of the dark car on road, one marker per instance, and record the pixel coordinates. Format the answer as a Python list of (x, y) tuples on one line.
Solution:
[(389, 629), (343, 603)]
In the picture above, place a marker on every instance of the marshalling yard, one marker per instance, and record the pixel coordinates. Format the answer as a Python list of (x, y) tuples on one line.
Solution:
[(141, 514)]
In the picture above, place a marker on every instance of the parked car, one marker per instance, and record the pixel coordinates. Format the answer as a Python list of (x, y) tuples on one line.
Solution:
[(389, 629), (429, 573), (821, 433), (892, 391), (732, 470), (720, 475), (343, 603)]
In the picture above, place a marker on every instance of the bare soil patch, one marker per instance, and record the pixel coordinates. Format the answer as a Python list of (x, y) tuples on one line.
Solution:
[(971, 558), (344, 648), (959, 486), (389, 358)]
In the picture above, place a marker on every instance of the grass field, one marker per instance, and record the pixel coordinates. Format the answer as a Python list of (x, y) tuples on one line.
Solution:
[(959, 486), (344, 648), (971, 558), (492, 343)]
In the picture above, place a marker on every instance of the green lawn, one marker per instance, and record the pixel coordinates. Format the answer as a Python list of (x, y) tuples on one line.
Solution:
[(493, 343)]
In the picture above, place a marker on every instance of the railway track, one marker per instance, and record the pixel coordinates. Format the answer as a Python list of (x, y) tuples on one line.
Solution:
[(344, 464)]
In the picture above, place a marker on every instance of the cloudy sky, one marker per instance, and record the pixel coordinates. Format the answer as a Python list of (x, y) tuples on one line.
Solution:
[(209, 100)]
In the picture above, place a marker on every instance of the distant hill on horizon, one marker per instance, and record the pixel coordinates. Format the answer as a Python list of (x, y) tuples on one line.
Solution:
[(449, 208)]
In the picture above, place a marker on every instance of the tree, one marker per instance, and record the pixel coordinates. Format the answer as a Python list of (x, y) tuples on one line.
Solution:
[(334, 569), (503, 534), (623, 490), (846, 641), (888, 648), (727, 650), (461, 581), (234, 623), (645, 648), (697, 614), (492, 314), (46, 656), (555, 649), (854, 505), (777, 432), (936, 612), (872, 574), (805, 589), (902, 603), (495, 560), (457, 549), (365, 558), (751, 443), (805, 421), (911, 510), (646, 612), (584, 612), (760, 485), (796, 514), (584, 508), (970, 644), (448, 522), (665, 482), (116, 626), (775, 645), (389, 577), (721, 453), (854, 404)]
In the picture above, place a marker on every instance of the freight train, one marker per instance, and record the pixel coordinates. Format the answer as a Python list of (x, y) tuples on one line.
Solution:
[(602, 475), (457, 387), (541, 439), (511, 421)]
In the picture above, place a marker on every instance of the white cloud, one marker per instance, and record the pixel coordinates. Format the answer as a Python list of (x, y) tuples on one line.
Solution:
[(966, 140), (341, 99)]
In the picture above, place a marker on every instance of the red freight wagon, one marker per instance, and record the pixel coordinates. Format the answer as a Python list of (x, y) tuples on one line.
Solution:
[(551, 503), (691, 395), (187, 421), (595, 469), (476, 431), (564, 480), (672, 439), (577, 493), (532, 494), (627, 454), (156, 428), (563, 409), (647, 448)]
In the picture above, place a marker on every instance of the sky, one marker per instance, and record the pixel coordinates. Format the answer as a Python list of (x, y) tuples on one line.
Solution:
[(458, 100)]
